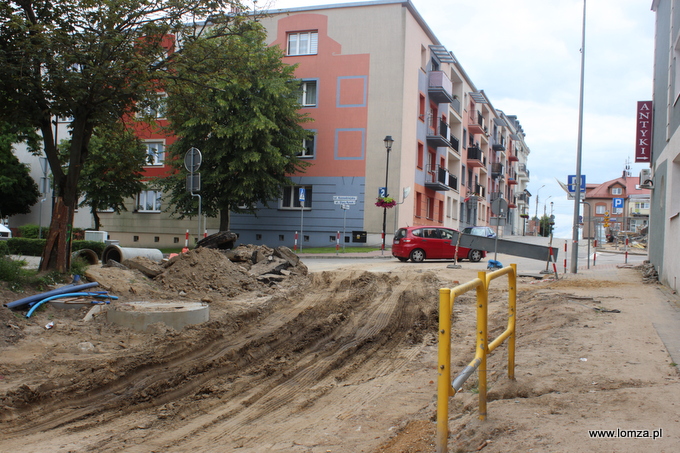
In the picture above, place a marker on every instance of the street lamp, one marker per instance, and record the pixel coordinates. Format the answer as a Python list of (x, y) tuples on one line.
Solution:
[(536, 215), (388, 146)]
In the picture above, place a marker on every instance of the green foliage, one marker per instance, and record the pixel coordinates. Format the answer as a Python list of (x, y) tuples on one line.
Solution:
[(92, 62), (243, 116), (4, 250), (95, 246), (25, 246), (545, 227), (10, 270), (34, 247), (31, 231), (19, 190), (114, 170)]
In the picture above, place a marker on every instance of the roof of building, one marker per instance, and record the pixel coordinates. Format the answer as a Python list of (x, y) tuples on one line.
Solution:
[(630, 183)]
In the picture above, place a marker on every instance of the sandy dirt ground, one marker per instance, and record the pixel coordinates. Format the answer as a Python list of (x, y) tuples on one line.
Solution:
[(338, 361)]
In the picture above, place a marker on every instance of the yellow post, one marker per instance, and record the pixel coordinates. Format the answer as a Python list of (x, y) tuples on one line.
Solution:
[(444, 369), (482, 323), (512, 313)]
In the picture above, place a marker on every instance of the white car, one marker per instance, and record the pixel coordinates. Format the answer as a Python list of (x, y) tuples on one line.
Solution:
[(5, 233)]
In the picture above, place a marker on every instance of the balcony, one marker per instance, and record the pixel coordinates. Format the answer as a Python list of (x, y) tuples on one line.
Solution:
[(475, 158), (523, 172), (498, 145), (493, 196), (513, 158), (439, 135), (481, 191), (476, 125), (497, 169), (438, 178), (455, 143), (511, 181), (440, 88)]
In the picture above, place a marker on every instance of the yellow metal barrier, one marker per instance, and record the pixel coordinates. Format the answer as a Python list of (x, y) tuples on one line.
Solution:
[(445, 388)]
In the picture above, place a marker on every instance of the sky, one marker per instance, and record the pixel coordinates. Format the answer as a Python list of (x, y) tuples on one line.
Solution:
[(526, 56)]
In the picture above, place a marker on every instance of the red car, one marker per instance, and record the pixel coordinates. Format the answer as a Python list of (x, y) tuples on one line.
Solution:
[(421, 242)]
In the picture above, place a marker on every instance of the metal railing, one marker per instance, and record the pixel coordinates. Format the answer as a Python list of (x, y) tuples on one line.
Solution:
[(445, 388)]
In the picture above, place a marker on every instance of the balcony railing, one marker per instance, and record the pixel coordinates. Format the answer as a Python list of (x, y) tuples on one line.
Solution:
[(496, 169), (475, 157), (438, 133), (440, 88), (438, 178)]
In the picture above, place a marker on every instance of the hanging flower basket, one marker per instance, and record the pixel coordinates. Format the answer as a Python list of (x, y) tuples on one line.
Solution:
[(385, 202), (524, 216)]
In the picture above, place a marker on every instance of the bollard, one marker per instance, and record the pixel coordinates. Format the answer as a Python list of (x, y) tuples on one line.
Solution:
[(295, 245), (337, 243), (186, 243), (595, 252), (626, 251), (565, 257)]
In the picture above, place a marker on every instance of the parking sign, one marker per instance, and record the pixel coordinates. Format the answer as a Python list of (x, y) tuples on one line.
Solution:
[(617, 202)]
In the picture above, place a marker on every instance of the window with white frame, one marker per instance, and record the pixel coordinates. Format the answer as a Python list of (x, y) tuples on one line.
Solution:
[(149, 201), (617, 190), (308, 148), (153, 106), (155, 153), (600, 209), (303, 43), (642, 205), (290, 198), (307, 95)]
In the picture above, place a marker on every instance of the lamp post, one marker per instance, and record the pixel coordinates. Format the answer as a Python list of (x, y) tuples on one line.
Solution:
[(536, 215), (388, 146)]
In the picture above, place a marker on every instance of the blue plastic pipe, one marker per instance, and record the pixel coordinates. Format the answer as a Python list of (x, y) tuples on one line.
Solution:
[(36, 297), (59, 296)]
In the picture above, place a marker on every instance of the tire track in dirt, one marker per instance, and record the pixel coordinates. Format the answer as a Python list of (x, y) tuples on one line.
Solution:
[(311, 380), (278, 362)]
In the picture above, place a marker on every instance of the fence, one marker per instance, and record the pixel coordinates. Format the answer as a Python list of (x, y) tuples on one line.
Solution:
[(483, 348)]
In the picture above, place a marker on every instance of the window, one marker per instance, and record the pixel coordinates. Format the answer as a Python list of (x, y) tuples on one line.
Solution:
[(303, 43), (155, 153), (419, 204), (421, 151), (308, 146), (600, 209), (153, 106), (290, 198), (307, 95), (421, 108), (430, 208), (149, 201), (617, 191)]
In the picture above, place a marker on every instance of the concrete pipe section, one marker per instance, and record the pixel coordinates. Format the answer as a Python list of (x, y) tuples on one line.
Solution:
[(120, 254), (140, 315), (90, 256)]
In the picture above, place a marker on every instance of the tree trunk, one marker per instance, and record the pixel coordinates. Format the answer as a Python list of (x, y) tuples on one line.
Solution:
[(56, 254), (225, 219)]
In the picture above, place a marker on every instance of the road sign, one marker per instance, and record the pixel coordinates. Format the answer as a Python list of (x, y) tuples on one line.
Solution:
[(617, 202), (302, 194), (192, 160), (499, 207), (345, 206), (571, 183), (344, 199), (194, 182), (382, 192)]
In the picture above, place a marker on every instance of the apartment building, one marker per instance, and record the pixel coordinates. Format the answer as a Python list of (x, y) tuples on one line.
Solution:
[(664, 217), (373, 70)]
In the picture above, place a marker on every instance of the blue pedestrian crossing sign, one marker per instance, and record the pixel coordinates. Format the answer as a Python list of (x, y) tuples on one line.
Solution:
[(617, 202), (302, 194)]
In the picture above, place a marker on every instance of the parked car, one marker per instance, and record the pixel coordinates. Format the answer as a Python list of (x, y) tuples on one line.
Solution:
[(484, 231), (5, 233), (418, 243)]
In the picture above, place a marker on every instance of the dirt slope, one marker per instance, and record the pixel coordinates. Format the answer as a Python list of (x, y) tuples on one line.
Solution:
[(341, 361)]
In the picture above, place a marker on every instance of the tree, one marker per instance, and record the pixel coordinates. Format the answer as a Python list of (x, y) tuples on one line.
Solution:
[(243, 115), (19, 191), (114, 171), (92, 62), (546, 227)]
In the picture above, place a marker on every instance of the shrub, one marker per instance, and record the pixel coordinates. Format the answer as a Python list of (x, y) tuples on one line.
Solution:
[(31, 231), (4, 250), (25, 246)]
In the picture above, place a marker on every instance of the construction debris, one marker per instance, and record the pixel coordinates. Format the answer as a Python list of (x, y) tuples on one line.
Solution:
[(649, 273)]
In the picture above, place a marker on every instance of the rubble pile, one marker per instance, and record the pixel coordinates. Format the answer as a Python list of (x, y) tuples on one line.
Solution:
[(649, 273), (204, 271)]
